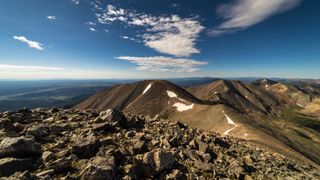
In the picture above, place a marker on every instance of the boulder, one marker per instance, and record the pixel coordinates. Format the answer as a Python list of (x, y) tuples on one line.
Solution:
[(86, 146), (19, 147), (60, 165), (138, 147), (159, 160), (114, 117), (38, 131), (100, 168)]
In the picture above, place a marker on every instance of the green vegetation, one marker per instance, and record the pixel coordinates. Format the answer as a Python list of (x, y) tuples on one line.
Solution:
[(292, 114)]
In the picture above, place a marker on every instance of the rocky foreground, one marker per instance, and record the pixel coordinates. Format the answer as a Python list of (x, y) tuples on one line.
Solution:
[(68, 144)]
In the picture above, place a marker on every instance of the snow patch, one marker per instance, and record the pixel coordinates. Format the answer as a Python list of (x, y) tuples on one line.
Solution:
[(182, 100), (147, 88), (129, 105), (229, 130), (183, 107), (230, 121), (300, 105), (172, 94)]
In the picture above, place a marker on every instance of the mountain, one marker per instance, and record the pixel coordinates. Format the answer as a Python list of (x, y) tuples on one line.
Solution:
[(263, 117), (68, 144), (150, 97), (242, 96), (299, 96)]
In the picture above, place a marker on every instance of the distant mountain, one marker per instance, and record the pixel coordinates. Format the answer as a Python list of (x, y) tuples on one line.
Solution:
[(150, 97), (242, 96), (299, 96)]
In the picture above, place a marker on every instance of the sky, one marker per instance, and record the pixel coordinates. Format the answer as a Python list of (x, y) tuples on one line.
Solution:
[(121, 39)]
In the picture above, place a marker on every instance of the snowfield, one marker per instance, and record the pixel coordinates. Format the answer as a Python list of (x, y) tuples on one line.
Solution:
[(147, 88), (183, 107), (172, 94)]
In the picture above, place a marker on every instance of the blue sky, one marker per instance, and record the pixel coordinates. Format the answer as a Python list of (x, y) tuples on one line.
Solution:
[(100, 39)]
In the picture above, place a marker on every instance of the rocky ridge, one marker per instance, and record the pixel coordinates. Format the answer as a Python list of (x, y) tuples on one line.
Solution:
[(71, 144)]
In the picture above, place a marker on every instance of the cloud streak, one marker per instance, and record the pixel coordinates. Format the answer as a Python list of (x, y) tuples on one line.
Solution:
[(241, 14), (31, 44), (168, 34), (164, 64), (8, 71), (52, 18)]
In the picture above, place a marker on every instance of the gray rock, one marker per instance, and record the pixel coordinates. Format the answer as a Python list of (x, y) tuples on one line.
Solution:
[(100, 168), (159, 160), (114, 117), (138, 147), (60, 165), (38, 131), (19, 147), (86, 146)]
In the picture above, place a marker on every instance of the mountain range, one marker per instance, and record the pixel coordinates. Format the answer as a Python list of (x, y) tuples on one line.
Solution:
[(279, 115)]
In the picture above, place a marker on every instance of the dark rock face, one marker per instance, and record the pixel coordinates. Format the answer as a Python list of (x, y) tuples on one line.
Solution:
[(69, 144), (9, 166)]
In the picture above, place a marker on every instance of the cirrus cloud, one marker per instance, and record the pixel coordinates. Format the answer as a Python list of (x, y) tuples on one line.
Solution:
[(242, 14), (164, 64), (31, 44)]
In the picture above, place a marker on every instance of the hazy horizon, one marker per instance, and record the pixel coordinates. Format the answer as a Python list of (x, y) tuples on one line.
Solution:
[(84, 39)]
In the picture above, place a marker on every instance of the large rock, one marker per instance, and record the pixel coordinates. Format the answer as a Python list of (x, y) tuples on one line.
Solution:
[(60, 165), (9, 166), (38, 131), (100, 168), (159, 160), (19, 147), (86, 146), (114, 117)]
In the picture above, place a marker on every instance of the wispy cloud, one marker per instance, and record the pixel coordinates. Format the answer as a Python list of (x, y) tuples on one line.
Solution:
[(76, 1), (31, 44), (8, 71), (92, 29), (166, 34), (52, 18), (130, 38), (164, 64), (91, 23), (242, 14), (33, 68)]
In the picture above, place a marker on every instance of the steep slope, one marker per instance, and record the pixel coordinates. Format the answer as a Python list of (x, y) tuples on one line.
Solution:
[(150, 97), (300, 97), (242, 96), (68, 144)]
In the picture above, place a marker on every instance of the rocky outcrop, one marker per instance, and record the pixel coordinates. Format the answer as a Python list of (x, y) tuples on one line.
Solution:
[(69, 144)]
